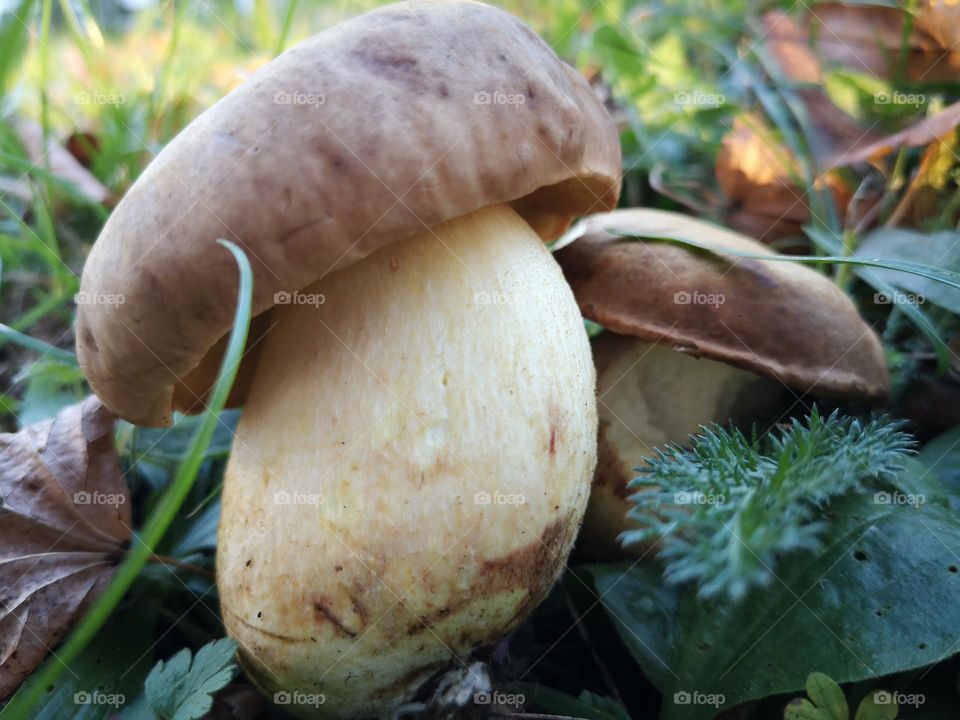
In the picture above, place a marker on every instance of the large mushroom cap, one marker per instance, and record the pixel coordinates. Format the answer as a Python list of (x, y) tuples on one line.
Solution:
[(359, 137), (778, 319)]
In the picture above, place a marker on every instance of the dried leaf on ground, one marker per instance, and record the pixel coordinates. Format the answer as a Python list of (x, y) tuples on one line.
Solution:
[(869, 38), (757, 175), (829, 129), (64, 524), (61, 163), (924, 132)]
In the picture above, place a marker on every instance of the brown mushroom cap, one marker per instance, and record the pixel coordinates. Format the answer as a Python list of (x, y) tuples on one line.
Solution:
[(359, 137), (778, 319)]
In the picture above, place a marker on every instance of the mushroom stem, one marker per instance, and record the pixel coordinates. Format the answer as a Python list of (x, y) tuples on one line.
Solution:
[(411, 467)]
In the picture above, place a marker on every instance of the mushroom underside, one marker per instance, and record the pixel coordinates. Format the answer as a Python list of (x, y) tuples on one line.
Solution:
[(651, 395)]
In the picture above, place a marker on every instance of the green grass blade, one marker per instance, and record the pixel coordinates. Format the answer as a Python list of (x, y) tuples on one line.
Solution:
[(14, 34), (285, 28), (947, 277), (21, 706), (8, 334)]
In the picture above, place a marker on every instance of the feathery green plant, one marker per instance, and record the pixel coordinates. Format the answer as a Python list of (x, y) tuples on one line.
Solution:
[(725, 509)]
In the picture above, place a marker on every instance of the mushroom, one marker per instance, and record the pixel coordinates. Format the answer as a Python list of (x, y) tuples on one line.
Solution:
[(698, 338), (419, 426)]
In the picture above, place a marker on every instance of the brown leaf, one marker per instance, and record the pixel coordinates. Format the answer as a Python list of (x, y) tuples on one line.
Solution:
[(62, 164), (924, 132), (64, 524), (830, 130), (238, 701), (941, 20), (757, 176), (868, 39)]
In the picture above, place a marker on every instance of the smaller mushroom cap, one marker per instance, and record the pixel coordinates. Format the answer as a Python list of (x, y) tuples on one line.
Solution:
[(778, 319)]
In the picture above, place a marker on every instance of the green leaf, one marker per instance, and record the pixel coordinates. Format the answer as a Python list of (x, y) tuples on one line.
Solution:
[(51, 386), (878, 599), (935, 250), (644, 611), (589, 706), (912, 311), (14, 35), (184, 686), (827, 696), (879, 705), (110, 670), (803, 709), (942, 456)]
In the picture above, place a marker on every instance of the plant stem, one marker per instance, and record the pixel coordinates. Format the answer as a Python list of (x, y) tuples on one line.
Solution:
[(190, 567)]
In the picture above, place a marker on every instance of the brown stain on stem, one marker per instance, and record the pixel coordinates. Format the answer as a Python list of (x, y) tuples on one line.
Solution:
[(322, 613)]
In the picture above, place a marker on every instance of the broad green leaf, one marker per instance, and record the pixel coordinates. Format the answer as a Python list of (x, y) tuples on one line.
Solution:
[(51, 386), (937, 250), (643, 609), (110, 670), (942, 457), (879, 599)]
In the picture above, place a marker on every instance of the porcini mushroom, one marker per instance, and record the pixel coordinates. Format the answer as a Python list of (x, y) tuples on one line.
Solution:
[(698, 338), (419, 426)]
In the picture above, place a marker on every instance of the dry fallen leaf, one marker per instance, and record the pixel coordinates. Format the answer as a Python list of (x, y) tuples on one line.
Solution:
[(868, 39), (941, 19), (64, 525), (62, 164), (830, 130), (757, 175), (923, 132)]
